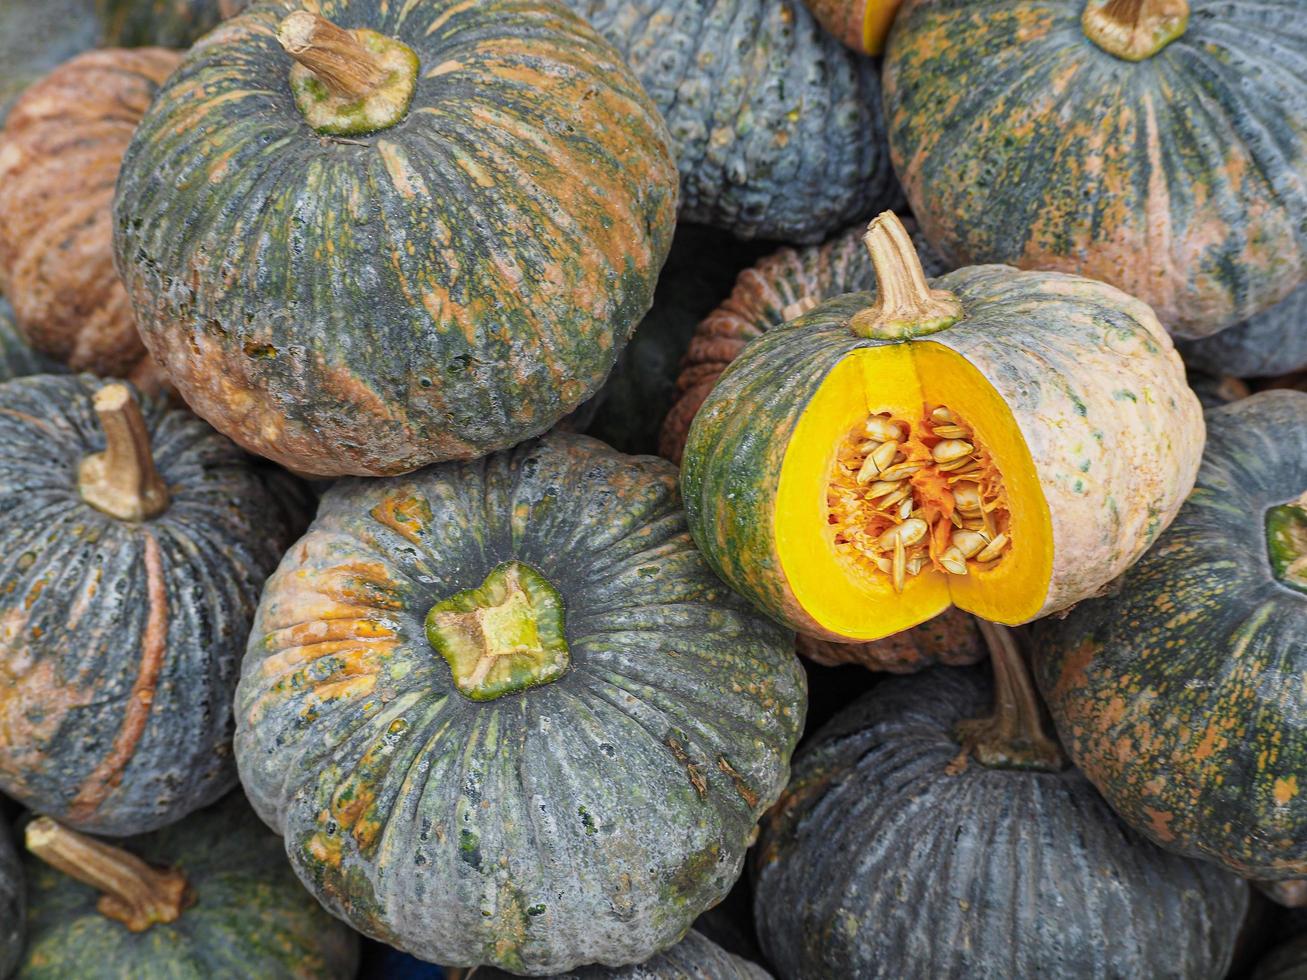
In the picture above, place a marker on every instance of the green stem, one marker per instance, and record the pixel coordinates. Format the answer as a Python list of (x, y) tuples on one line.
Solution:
[(1286, 542)]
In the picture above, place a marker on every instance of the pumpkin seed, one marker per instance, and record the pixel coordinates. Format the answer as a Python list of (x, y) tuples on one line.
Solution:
[(882, 487), (900, 564), (942, 414), (993, 549), (884, 455), (869, 471), (966, 498), (899, 471), (882, 429), (950, 450), (969, 543), (962, 462), (905, 509), (951, 432), (953, 561), (909, 533)]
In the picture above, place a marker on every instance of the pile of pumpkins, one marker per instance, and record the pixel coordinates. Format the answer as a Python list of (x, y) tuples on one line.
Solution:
[(342, 594)]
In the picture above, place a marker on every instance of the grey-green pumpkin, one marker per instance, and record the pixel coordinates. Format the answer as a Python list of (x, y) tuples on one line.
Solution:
[(13, 903), (696, 957), (37, 35), (504, 713), (133, 545), (215, 898), (1267, 344), (17, 359)]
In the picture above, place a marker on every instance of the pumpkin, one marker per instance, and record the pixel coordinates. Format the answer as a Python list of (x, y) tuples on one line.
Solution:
[(503, 713), (777, 127), (862, 25), (1158, 145), (775, 289), (1006, 442), (168, 23), (64, 141), (1213, 390), (211, 896), (950, 639), (35, 36), (1271, 342), (1287, 961), (13, 904), (1176, 693), (696, 957), (136, 540), (444, 267), (16, 357), (892, 855)]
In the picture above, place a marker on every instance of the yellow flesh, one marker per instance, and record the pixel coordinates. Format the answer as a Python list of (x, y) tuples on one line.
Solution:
[(877, 17), (858, 604)]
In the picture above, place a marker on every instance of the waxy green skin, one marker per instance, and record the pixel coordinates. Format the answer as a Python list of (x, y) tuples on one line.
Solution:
[(13, 903), (437, 290), (1178, 179), (251, 917), (17, 359), (587, 820), (696, 957), (100, 616), (1271, 342), (1180, 693), (165, 23)]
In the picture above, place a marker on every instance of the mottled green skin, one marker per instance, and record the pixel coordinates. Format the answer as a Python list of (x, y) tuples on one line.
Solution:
[(1180, 694), (120, 641), (251, 917), (880, 862), (165, 23), (1272, 342), (440, 289), (37, 35), (777, 126), (1285, 962), (1178, 178), (588, 820), (13, 903), (695, 957), (17, 359)]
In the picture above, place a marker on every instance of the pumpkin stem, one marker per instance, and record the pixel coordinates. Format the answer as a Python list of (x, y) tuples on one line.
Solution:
[(1133, 30), (133, 892), (905, 305), (1286, 542), (1013, 737), (347, 83), (122, 481)]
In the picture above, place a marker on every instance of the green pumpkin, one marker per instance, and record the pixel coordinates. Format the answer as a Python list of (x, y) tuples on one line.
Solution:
[(370, 298), (696, 957), (1270, 343), (13, 903), (222, 903), (503, 713), (777, 128), (37, 35), (1167, 160), (134, 545), (162, 23), (891, 856), (1286, 962), (17, 359), (1179, 693)]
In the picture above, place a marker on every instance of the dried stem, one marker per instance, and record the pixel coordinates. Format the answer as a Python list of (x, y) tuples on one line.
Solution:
[(122, 481), (1134, 29), (332, 53), (132, 892), (905, 306)]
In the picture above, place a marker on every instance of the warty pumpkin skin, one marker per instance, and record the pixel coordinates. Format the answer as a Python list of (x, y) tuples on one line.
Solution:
[(13, 903), (438, 289), (120, 637), (166, 23), (1073, 386), (17, 359), (696, 957), (777, 128), (1179, 693), (1270, 343), (885, 858), (581, 806), (1178, 177), (222, 902), (37, 35), (63, 143)]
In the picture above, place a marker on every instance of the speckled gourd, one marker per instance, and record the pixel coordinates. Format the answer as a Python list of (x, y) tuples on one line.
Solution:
[(135, 543), (210, 896), (503, 712), (426, 251), (1267, 344), (891, 855), (1158, 145), (777, 128), (1179, 693), (13, 903)]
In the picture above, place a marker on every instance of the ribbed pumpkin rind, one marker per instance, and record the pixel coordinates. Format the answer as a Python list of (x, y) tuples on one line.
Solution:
[(696, 957), (777, 127), (13, 903), (585, 821), (1178, 693), (166, 23), (437, 290), (1179, 178), (120, 642), (1084, 369), (876, 853), (251, 917), (1270, 343), (17, 359)]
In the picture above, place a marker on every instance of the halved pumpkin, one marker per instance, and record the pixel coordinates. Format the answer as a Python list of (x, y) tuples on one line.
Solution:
[(1007, 444)]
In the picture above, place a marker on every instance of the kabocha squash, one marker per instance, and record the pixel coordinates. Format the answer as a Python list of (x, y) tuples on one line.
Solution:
[(17, 358), (37, 35), (442, 267), (13, 903), (211, 896), (135, 543), (1270, 343), (777, 288), (694, 958), (1158, 145), (887, 857), (862, 25), (503, 712), (952, 639), (1179, 694), (63, 143), (166, 23), (777, 127), (1003, 441)]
